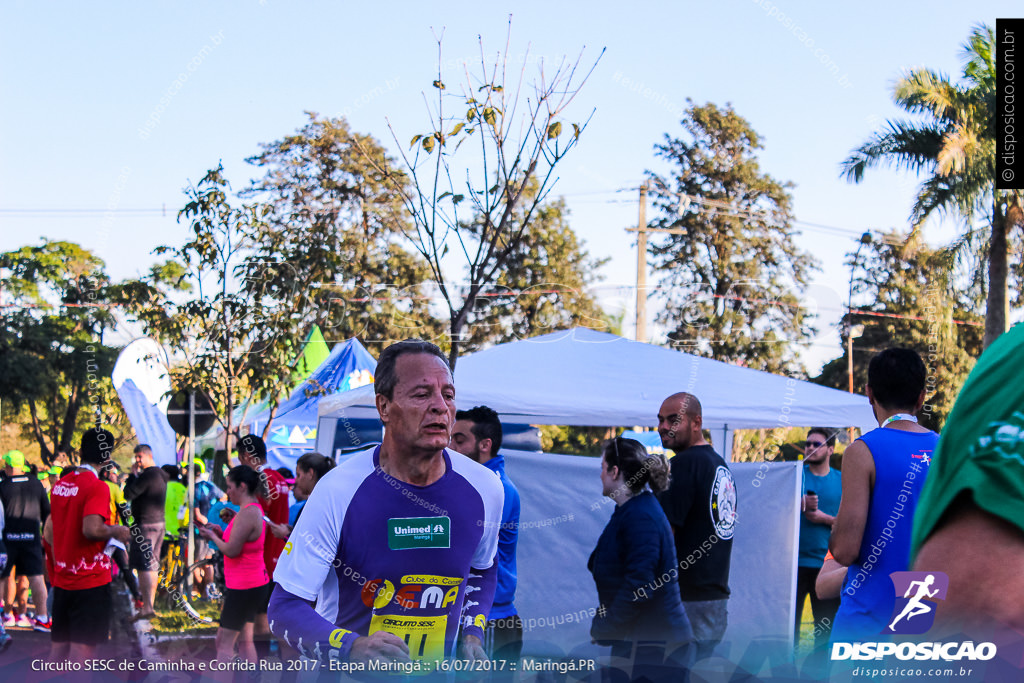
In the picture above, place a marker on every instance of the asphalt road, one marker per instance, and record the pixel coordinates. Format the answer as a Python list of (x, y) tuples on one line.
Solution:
[(27, 658)]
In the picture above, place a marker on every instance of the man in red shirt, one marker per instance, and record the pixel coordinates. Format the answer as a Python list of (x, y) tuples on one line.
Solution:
[(273, 497), (80, 530)]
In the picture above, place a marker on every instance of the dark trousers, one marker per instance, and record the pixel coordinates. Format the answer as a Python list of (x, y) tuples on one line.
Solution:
[(120, 558), (651, 661), (503, 639), (824, 611)]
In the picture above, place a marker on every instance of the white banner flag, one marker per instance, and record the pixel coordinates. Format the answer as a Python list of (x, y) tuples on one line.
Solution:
[(143, 385)]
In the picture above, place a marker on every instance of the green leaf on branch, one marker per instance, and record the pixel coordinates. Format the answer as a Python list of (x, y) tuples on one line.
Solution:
[(456, 129), (415, 139), (471, 114), (428, 144), (554, 130), (575, 131), (489, 116)]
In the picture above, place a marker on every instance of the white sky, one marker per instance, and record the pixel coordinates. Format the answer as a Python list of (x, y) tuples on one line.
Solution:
[(81, 80)]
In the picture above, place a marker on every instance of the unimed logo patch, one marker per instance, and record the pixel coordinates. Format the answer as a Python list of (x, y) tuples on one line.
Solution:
[(917, 596), (406, 533)]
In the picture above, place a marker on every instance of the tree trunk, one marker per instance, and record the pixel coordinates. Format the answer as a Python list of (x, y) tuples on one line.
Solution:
[(37, 429), (270, 420), (458, 321), (996, 311), (71, 419), (222, 458), (453, 355)]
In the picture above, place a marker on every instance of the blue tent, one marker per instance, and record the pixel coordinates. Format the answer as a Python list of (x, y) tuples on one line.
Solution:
[(293, 428), (650, 440)]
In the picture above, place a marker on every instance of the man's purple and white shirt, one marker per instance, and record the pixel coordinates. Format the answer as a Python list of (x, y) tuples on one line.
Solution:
[(378, 554)]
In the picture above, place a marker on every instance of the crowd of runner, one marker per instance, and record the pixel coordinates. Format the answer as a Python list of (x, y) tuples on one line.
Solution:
[(406, 552), (144, 512)]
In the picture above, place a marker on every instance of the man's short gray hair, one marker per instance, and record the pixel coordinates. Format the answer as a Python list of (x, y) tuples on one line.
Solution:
[(384, 377)]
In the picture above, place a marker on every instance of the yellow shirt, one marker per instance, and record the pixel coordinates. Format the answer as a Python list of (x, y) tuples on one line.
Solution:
[(116, 501)]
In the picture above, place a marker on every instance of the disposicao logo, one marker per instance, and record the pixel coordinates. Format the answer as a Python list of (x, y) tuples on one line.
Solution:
[(917, 596)]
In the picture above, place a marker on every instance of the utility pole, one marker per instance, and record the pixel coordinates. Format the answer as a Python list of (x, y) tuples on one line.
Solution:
[(641, 268), (853, 330), (641, 263)]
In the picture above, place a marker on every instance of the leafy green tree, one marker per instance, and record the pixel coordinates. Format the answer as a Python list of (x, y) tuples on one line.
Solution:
[(331, 250), (574, 440), (223, 323), (510, 139), (543, 285), (953, 144), (52, 358), (731, 272), (769, 444), (912, 298)]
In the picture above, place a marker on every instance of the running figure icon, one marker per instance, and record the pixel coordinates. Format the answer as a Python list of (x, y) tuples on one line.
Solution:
[(916, 607)]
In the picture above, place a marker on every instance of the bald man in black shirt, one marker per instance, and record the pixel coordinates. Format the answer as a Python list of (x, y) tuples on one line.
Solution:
[(146, 490), (700, 504)]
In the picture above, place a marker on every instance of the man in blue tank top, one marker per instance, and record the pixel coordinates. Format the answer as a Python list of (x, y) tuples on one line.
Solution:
[(883, 473)]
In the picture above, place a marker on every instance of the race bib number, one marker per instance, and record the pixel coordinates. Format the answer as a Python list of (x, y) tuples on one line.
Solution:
[(423, 635)]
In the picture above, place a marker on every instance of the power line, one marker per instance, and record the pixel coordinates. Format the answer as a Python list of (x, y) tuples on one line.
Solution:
[(717, 205), (608, 191), (77, 210), (79, 213), (516, 293), (910, 317)]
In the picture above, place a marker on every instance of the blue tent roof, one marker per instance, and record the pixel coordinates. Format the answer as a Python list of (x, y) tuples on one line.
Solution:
[(293, 429)]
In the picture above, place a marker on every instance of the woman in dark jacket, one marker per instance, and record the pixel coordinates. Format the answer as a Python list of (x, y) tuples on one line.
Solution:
[(634, 567)]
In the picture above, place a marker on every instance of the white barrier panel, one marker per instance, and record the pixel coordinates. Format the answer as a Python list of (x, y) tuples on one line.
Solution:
[(563, 514)]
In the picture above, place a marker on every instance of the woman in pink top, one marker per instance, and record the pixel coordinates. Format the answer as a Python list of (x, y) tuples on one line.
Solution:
[(245, 574)]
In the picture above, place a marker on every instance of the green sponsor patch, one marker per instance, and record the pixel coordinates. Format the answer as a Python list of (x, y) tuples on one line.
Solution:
[(405, 533)]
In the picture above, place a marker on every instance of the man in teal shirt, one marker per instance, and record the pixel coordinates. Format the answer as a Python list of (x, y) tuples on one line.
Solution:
[(822, 489)]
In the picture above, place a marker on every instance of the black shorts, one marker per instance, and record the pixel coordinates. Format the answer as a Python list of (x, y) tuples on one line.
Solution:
[(265, 602), (144, 547), (26, 557), (242, 605), (81, 617)]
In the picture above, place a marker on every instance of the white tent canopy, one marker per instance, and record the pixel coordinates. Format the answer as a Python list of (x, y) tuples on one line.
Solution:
[(585, 378)]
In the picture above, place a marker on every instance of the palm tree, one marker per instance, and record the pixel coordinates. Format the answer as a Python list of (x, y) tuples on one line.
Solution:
[(956, 145)]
